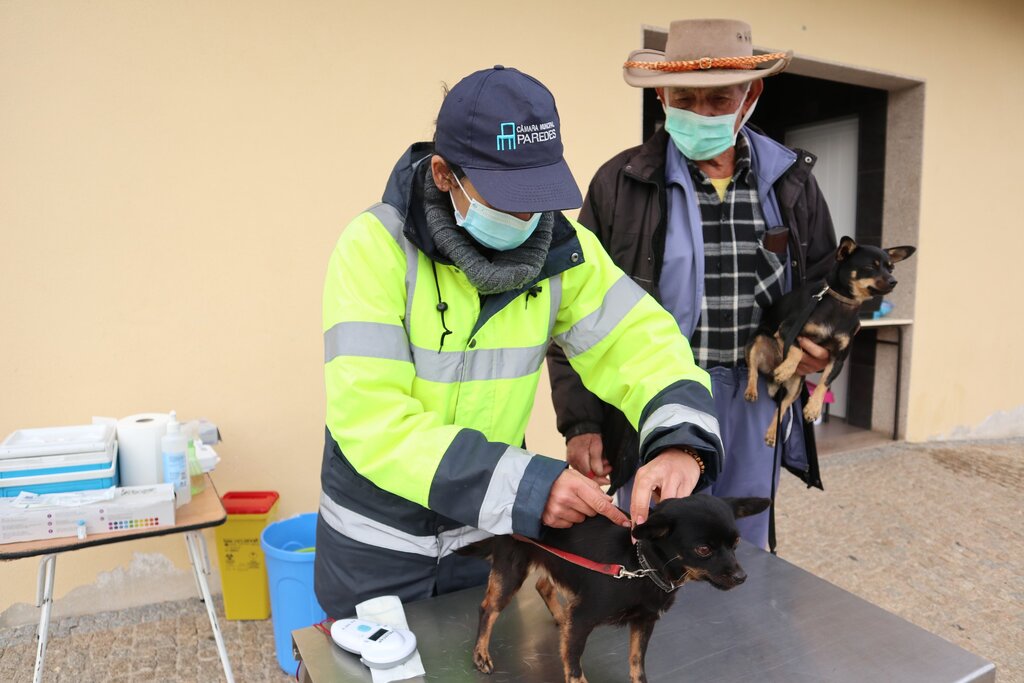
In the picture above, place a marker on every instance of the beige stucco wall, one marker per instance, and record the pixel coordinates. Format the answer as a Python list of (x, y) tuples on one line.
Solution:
[(173, 176)]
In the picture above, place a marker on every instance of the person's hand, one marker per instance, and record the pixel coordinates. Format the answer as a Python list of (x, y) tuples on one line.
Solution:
[(815, 357), (574, 497), (585, 454), (671, 474)]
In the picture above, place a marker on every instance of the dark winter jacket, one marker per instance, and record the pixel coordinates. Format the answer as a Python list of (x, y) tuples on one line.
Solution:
[(626, 206)]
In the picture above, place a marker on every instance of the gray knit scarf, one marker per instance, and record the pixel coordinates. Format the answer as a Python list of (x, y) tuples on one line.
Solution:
[(494, 272)]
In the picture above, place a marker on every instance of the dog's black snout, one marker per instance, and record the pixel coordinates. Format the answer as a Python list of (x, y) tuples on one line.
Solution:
[(892, 282), (739, 576)]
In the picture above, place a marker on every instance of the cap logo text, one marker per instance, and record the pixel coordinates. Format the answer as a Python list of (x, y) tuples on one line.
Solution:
[(512, 135)]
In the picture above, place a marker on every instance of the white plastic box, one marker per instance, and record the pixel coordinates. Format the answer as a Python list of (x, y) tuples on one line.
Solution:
[(58, 459), (56, 515)]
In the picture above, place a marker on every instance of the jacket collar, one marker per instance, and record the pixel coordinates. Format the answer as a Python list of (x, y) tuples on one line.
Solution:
[(769, 159), (648, 161)]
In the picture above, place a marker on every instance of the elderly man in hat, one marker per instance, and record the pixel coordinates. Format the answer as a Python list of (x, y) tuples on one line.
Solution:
[(716, 220)]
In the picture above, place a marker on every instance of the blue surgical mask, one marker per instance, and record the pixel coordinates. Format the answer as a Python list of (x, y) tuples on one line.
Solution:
[(703, 137), (492, 228)]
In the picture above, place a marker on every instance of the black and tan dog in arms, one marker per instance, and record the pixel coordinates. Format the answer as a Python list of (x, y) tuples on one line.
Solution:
[(684, 539), (827, 313)]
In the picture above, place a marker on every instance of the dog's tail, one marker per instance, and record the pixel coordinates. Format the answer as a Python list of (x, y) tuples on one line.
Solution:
[(482, 549)]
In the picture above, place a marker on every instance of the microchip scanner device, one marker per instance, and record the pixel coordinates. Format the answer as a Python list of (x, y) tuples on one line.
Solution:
[(379, 647)]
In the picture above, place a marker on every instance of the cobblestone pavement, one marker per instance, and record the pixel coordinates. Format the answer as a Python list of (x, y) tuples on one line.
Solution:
[(932, 532), (169, 642)]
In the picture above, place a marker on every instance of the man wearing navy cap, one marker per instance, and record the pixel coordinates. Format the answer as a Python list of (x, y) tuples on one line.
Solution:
[(439, 305)]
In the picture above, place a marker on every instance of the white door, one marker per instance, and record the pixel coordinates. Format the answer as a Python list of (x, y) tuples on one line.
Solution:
[(835, 144)]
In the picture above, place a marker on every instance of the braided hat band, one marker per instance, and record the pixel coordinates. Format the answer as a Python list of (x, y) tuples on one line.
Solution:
[(702, 53), (705, 63)]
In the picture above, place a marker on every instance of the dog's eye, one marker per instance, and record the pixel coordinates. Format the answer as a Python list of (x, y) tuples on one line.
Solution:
[(702, 551)]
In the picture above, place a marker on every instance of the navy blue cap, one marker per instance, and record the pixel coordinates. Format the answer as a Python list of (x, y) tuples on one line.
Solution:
[(501, 126)]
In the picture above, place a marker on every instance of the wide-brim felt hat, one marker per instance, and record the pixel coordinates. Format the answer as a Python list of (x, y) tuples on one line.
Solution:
[(703, 53)]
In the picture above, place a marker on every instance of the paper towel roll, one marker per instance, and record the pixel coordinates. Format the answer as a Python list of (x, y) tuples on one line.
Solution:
[(138, 448)]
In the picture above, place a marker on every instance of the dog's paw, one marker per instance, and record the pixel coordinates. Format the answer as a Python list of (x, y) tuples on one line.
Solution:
[(482, 660), (812, 412), (751, 395), (781, 374), (769, 439)]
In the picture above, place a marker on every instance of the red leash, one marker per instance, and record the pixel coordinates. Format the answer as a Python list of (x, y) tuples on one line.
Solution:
[(616, 571)]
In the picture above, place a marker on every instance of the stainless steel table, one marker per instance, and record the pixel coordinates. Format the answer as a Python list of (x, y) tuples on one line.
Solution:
[(783, 624)]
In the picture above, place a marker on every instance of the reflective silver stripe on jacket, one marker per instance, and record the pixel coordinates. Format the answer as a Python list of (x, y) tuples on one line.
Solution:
[(477, 364), (496, 507), (380, 340), (394, 223), (555, 292), (369, 340), (365, 530), (619, 300), (675, 414)]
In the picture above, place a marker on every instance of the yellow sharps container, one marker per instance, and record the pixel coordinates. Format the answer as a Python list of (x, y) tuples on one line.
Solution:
[(242, 572)]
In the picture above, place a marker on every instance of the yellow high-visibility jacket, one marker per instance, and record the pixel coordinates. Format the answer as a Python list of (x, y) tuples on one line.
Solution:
[(424, 427)]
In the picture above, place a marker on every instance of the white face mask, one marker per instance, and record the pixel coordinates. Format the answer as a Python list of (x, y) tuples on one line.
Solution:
[(492, 228), (704, 137)]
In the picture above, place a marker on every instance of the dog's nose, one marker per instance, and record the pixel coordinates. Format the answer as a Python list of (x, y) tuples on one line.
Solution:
[(739, 576), (892, 282)]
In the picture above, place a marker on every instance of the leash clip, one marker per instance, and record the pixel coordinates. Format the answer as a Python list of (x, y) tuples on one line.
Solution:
[(821, 294), (639, 574)]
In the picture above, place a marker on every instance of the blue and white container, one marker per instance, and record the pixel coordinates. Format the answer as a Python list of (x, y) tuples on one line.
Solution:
[(58, 460), (289, 549)]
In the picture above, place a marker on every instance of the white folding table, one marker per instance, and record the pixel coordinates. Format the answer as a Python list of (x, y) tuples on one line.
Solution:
[(204, 511)]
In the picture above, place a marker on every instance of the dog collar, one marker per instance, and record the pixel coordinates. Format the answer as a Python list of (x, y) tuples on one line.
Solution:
[(840, 298), (652, 573)]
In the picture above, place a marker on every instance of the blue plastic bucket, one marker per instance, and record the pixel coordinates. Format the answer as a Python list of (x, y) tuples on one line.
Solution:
[(293, 604)]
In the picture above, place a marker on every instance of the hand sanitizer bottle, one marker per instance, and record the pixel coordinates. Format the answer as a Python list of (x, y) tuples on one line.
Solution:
[(173, 446)]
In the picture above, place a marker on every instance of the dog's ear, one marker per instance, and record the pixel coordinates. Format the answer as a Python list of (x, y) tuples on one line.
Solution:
[(897, 254), (745, 507), (846, 247), (657, 526)]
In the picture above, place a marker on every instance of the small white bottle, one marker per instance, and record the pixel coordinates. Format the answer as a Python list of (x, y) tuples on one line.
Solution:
[(173, 447)]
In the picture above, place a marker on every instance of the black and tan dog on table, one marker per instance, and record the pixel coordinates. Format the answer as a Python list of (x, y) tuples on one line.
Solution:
[(692, 538), (827, 313)]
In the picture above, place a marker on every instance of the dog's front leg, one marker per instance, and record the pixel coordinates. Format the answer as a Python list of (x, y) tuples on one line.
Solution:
[(835, 365), (787, 367), (639, 636), (575, 631)]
